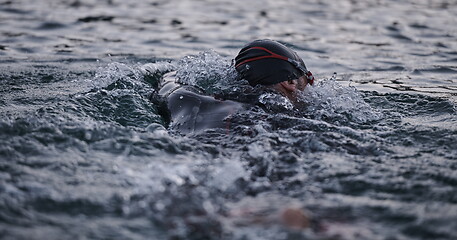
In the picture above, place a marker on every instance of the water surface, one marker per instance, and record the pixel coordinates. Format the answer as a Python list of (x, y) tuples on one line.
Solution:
[(85, 155)]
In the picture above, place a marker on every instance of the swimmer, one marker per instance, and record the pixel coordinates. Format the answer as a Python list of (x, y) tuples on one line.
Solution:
[(266, 63)]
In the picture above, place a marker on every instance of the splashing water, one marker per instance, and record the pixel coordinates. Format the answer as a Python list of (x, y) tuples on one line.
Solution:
[(329, 100), (158, 67), (273, 101), (206, 70), (114, 72)]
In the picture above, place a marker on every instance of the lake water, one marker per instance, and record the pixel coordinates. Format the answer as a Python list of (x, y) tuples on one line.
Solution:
[(85, 155)]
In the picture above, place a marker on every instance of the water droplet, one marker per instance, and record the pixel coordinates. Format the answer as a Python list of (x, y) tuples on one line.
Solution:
[(181, 97), (87, 136)]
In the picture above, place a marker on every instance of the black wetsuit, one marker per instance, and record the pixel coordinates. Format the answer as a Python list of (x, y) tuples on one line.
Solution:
[(192, 111)]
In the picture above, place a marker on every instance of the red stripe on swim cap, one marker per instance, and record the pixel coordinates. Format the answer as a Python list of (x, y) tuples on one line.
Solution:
[(273, 55)]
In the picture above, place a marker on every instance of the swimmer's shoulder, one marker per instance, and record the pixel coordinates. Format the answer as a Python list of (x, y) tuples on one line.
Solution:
[(192, 110)]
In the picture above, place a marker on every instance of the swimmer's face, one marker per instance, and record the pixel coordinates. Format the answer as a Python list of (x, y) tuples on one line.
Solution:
[(292, 88), (300, 86)]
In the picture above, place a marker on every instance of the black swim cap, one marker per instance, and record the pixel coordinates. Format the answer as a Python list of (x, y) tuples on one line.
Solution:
[(268, 62)]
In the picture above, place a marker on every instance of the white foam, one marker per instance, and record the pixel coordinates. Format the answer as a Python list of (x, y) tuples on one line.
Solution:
[(328, 98), (206, 70)]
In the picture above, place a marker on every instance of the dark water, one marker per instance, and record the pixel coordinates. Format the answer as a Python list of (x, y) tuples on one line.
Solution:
[(85, 155)]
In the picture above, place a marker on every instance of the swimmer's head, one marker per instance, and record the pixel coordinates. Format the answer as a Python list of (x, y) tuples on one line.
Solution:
[(270, 63), (267, 62)]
